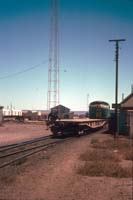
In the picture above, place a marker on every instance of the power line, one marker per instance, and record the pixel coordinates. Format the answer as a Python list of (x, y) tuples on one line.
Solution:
[(23, 71)]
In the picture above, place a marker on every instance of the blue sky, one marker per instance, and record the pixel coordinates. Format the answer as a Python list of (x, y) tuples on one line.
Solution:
[(85, 52)]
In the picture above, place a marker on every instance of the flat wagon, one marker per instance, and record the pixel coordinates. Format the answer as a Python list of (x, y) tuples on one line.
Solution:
[(75, 126)]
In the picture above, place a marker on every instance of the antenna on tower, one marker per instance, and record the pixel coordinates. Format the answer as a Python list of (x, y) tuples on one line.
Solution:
[(53, 67)]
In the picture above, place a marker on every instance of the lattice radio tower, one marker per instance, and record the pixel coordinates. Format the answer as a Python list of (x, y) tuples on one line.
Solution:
[(53, 67)]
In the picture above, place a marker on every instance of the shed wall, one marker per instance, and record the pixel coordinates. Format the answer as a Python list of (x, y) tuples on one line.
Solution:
[(131, 124)]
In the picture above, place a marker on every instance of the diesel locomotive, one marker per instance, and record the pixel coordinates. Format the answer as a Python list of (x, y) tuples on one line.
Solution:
[(99, 110)]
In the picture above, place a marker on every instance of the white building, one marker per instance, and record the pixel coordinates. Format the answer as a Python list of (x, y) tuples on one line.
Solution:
[(12, 112)]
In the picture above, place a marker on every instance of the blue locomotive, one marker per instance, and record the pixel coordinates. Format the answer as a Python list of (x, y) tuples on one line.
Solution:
[(99, 110)]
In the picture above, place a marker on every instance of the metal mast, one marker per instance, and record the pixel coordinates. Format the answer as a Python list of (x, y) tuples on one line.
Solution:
[(53, 68)]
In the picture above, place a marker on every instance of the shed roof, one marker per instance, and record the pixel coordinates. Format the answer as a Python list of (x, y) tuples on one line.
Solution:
[(60, 106), (127, 102), (127, 98)]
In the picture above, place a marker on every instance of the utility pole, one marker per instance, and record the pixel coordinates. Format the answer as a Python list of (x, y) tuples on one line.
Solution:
[(116, 85), (53, 68)]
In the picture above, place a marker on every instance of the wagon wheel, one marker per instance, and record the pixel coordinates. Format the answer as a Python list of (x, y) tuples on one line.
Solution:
[(78, 132), (54, 130)]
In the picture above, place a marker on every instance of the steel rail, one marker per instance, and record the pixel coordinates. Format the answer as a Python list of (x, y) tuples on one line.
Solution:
[(12, 146), (45, 146), (25, 150)]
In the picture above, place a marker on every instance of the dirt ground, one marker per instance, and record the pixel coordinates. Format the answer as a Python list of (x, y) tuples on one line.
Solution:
[(12, 132), (52, 174)]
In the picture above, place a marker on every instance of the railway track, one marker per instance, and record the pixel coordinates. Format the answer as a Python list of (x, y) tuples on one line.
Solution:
[(10, 154), (11, 146)]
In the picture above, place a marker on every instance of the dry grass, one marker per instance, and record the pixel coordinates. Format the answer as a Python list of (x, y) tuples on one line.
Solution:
[(102, 155), (124, 146), (104, 158), (128, 155), (113, 144), (94, 140), (105, 168)]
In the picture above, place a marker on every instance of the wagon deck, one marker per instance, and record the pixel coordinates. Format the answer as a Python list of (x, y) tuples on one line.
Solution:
[(76, 125), (79, 120)]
